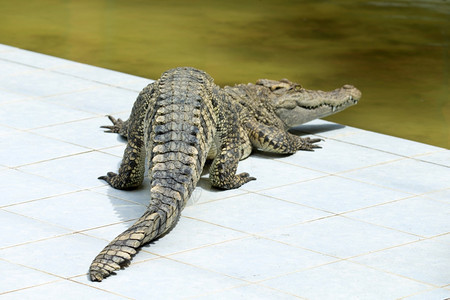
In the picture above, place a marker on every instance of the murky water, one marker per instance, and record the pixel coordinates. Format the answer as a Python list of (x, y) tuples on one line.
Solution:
[(396, 52)]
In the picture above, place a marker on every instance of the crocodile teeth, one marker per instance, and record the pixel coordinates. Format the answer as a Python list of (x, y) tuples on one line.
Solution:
[(333, 108)]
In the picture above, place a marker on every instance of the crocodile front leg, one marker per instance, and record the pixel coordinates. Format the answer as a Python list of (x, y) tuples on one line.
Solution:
[(272, 139)]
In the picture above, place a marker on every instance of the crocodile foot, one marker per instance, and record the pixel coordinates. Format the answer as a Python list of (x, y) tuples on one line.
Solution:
[(111, 178), (118, 126), (118, 182), (241, 179), (308, 144), (232, 182)]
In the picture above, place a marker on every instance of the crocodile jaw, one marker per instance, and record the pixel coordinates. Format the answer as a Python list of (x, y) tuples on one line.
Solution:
[(301, 105)]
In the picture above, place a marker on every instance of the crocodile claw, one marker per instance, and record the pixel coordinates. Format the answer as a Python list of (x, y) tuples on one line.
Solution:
[(112, 179), (116, 127), (308, 144), (108, 177), (239, 180), (312, 141), (245, 177)]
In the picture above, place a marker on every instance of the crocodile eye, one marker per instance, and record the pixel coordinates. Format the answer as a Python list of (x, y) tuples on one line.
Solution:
[(298, 88)]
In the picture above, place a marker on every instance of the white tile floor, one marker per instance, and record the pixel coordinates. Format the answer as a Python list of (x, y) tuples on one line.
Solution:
[(366, 217)]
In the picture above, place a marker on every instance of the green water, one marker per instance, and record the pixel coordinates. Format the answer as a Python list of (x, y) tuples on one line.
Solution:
[(396, 52)]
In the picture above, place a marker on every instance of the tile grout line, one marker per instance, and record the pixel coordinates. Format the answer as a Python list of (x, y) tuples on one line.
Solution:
[(50, 159), (59, 279), (392, 273), (325, 175), (331, 212), (88, 150), (245, 285), (377, 149), (29, 287), (70, 63), (354, 262), (35, 269), (419, 293), (220, 199), (71, 279), (169, 257), (62, 123)]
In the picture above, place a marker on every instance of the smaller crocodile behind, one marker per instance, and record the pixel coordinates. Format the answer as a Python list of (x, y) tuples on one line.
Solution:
[(183, 119)]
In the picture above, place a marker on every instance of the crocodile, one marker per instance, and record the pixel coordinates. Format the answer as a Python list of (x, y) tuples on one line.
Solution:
[(184, 119)]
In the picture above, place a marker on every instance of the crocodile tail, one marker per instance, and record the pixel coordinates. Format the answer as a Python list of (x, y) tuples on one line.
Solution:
[(155, 222), (120, 251), (171, 188)]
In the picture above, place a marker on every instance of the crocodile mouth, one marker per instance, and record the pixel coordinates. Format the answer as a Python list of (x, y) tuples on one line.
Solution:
[(292, 104), (350, 101), (294, 113), (345, 96)]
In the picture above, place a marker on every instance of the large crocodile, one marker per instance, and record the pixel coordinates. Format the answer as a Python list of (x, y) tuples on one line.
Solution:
[(183, 119)]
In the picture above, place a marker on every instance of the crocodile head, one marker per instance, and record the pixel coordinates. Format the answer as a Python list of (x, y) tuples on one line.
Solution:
[(296, 105)]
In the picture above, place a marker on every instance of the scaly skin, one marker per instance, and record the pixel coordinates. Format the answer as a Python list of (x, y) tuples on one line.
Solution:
[(269, 107), (173, 124), (181, 120)]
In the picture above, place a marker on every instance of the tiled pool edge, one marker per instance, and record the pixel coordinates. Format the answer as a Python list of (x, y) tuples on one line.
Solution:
[(373, 158)]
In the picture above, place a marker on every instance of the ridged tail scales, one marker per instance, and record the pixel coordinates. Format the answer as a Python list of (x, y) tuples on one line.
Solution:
[(177, 129), (120, 251)]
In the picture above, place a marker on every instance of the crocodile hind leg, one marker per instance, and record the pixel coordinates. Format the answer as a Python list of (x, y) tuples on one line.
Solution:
[(123, 127), (132, 168), (273, 139)]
